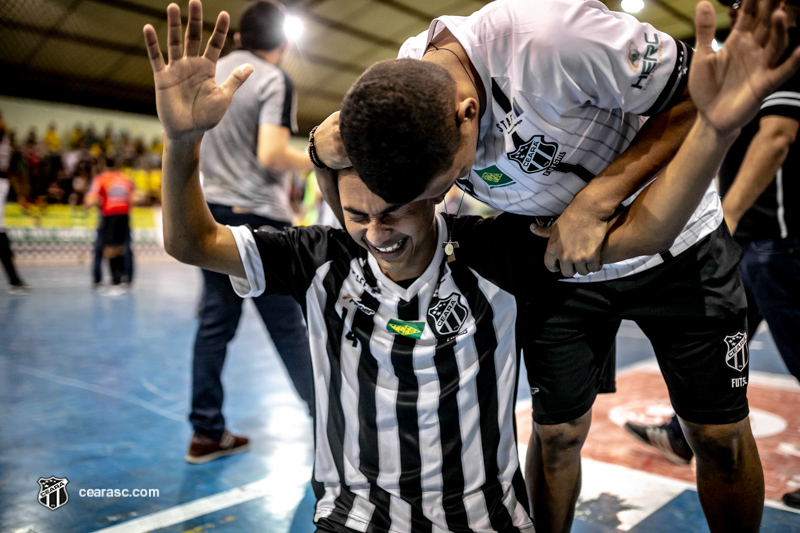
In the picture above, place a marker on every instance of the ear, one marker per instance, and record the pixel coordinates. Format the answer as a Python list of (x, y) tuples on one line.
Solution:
[(237, 39), (467, 111)]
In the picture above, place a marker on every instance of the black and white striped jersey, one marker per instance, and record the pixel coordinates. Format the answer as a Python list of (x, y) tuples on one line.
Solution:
[(775, 213), (415, 386), (568, 84)]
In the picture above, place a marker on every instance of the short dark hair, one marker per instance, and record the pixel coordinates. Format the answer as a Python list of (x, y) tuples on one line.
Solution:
[(261, 25), (399, 127)]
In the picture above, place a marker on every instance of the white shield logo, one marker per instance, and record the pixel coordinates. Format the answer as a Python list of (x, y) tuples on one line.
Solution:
[(737, 355), (447, 315), (53, 492)]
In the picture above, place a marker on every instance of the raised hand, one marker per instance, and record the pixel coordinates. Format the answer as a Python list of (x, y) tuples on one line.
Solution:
[(728, 86), (188, 100)]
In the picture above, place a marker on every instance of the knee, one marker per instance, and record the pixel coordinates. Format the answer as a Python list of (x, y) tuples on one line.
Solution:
[(561, 444), (725, 446)]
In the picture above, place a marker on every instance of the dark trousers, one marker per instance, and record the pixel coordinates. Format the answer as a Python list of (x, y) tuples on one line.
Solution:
[(127, 253), (771, 275), (7, 259), (220, 311)]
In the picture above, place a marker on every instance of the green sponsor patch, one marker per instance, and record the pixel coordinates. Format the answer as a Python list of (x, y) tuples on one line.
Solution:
[(406, 329), (494, 177)]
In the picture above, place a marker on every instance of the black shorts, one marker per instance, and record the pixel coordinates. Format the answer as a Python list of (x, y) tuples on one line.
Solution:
[(115, 230), (692, 308)]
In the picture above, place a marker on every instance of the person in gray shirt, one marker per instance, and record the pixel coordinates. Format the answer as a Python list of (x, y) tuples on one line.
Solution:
[(247, 165)]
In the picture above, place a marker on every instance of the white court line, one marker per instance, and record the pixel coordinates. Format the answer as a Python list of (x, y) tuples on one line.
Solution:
[(285, 497), (78, 384)]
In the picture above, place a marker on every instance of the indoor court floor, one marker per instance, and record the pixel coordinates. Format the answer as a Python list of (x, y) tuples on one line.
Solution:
[(95, 389)]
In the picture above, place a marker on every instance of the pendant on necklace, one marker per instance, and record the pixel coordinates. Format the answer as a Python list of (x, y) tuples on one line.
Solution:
[(449, 250)]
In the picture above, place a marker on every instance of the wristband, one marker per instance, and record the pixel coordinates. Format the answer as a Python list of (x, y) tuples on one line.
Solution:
[(312, 152)]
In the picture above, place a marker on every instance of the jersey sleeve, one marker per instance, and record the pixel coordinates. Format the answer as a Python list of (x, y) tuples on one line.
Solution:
[(414, 47), (586, 54), (504, 250), (279, 103), (284, 261), (784, 102)]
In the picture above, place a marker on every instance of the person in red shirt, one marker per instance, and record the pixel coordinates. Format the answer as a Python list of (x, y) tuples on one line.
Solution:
[(113, 191)]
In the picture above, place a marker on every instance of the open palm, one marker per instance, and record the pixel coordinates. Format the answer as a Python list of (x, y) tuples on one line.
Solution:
[(188, 100), (728, 86)]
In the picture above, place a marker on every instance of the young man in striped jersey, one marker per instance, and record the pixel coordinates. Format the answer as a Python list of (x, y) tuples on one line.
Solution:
[(544, 101), (415, 356)]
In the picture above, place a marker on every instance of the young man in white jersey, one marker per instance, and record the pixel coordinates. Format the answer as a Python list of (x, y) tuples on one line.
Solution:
[(414, 355), (538, 108)]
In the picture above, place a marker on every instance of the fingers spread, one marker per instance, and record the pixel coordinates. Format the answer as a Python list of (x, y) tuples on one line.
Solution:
[(705, 25), (217, 40), (153, 49), (236, 79), (174, 49), (194, 28)]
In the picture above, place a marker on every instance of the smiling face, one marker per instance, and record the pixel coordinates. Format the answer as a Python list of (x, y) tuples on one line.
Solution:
[(402, 238)]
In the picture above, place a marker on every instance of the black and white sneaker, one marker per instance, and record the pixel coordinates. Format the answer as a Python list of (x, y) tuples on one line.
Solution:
[(664, 438), (792, 499)]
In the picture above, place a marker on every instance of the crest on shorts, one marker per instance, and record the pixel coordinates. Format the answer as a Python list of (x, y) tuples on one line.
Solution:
[(53, 492), (446, 316), (534, 155), (737, 355)]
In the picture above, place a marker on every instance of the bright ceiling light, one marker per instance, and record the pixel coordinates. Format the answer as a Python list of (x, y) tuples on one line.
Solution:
[(293, 27), (632, 6)]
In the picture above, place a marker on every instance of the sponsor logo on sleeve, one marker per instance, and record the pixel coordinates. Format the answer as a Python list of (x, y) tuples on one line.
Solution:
[(737, 355), (650, 61), (406, 329), (633, 56)]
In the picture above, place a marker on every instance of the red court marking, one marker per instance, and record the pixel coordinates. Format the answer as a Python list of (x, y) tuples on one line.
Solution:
[(642, 394)]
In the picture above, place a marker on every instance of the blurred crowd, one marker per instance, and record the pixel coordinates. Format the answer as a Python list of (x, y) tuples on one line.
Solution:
[(56, 169)]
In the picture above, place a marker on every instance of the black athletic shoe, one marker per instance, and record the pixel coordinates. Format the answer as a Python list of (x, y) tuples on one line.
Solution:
[(664, 439), (792, 499)]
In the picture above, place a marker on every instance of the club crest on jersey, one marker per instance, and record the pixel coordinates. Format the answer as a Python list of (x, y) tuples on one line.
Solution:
[(53, 492), (359, 305), (446, 316), (737, 355), (494, 177), (406, 329), (534, 155)]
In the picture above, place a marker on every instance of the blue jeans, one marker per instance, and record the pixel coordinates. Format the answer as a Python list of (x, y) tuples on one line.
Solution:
[(771, 275), (220, 311)]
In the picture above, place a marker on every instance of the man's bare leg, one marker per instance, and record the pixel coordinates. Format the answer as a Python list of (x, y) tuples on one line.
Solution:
[(730, 481), (553, 472)]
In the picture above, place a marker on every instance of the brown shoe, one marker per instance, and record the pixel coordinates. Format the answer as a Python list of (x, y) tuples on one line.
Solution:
[(204, 449)]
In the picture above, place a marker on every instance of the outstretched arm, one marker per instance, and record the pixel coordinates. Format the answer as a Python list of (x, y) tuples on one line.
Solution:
[(765, 155), (727, 88), (189, 103)]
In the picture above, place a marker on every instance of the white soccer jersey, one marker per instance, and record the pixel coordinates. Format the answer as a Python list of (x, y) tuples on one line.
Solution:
[(567, 84), (415, 387)]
